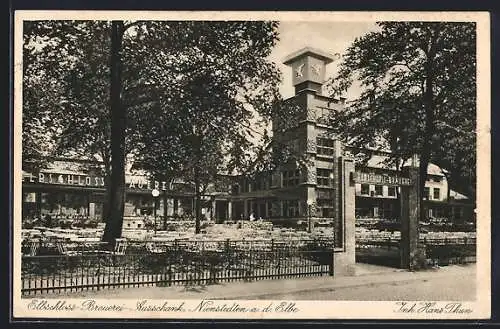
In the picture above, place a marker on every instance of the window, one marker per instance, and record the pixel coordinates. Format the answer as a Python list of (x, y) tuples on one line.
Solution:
[(391, 191), (258, 184), (379, 190), (437, 193), (387, 210), (325, 194), (426, 193), (324, 146), (324, 177), (325, 203), (270, 181), (439, 212), (365, 189), (436, 179), (290, 208), (291, 178)]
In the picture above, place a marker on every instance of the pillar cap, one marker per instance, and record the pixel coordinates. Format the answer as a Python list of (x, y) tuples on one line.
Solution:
[(313, 52)]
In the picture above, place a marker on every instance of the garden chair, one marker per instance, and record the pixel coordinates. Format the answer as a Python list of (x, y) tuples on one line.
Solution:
[(31, 248), (62, 247), (120, 246)]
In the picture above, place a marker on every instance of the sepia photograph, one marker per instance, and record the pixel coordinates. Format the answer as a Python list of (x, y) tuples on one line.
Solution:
[(251, 165)]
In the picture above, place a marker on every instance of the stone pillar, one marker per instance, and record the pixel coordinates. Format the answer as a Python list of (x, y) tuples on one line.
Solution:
[(38, 202), (161, 205), (410, 217), (213, 211), (176, 207), (229, 210), (91, 209), (310, 207), (245, 209), (344, 257)]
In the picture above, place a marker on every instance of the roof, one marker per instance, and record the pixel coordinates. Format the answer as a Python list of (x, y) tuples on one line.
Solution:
[(457, 196), (326, 57), (377, 161)]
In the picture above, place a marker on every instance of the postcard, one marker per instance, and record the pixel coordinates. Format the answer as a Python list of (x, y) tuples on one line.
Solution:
[(251, 165)]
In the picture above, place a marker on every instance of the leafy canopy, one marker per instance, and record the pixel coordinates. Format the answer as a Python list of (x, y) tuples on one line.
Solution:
[(418, 82)]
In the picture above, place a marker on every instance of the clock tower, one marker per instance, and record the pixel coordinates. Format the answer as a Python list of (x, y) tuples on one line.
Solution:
[(308, 68)]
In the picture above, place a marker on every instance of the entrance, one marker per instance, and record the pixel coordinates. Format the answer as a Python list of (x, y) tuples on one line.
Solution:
[(387, 224)]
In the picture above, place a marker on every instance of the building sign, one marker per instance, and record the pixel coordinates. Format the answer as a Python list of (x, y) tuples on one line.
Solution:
[(369, 178), (92, 181)]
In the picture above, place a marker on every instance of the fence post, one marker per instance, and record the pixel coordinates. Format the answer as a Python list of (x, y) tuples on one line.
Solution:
[(228, 256), (332, 262)]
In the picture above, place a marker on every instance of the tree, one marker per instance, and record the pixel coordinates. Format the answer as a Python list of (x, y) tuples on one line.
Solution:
[(46, 55), (76, 117), (221, 88), (418, 93), (199, 89), (114, 223)]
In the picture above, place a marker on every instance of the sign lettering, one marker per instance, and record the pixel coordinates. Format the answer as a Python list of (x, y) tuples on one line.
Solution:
[(92, 181), (370, 178)]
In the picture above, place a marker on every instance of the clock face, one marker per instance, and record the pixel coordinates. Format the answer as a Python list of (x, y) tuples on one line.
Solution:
[(299, 70), (316, 69)]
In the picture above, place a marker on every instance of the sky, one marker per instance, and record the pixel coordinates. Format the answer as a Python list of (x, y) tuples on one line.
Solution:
[(328, 36)]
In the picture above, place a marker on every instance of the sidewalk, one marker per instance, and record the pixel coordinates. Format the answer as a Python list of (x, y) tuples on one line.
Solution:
[(370, 278)]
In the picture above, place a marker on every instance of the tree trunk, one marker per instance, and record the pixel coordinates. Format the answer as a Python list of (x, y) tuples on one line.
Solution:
[(428, 101), (114, 223)]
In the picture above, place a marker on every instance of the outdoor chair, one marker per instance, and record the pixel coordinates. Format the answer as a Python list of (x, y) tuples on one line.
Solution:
[(62, 247), (32, 248), (154, 249), (120, 246)]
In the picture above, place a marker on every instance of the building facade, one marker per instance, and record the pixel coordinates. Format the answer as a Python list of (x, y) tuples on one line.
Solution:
[(77, 189), (307, 188), (298, 192)]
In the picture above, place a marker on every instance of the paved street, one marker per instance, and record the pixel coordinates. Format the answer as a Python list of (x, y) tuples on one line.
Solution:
[(452, 282), (454, 287)]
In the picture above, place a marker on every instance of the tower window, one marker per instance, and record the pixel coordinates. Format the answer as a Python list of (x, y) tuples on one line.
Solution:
[(324, 146), (324, 177)]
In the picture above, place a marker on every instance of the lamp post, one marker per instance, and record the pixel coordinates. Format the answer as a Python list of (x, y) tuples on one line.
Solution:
[(155, 193), (309, 204)]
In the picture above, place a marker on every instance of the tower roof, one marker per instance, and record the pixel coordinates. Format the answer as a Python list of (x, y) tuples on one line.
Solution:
[(324, 56)]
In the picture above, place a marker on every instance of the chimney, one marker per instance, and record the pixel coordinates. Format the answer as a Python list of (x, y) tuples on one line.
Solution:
[(308, 69)]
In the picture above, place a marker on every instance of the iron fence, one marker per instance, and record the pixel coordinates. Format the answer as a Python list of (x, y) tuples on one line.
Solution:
[(53, 267), (442, 251), (450, 250)]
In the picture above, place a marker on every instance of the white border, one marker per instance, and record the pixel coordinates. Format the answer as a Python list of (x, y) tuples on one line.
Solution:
[(309, 309)]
